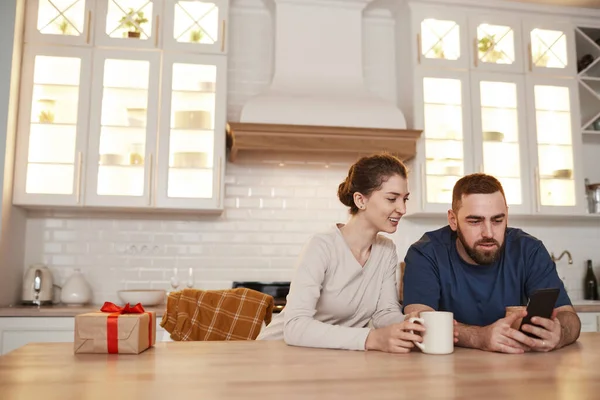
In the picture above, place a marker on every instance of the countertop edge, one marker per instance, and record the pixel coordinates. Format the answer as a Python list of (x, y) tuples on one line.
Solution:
[(57, 311)]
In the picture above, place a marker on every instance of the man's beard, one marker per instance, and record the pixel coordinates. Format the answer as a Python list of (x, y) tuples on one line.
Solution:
[(481, 257)]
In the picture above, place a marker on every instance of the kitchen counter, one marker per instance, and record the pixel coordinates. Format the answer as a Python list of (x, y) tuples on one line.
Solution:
[(61, 310), (273, 370), (586, 305)]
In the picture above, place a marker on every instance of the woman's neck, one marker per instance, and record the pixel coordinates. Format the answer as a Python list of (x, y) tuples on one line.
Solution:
[(359, 235)]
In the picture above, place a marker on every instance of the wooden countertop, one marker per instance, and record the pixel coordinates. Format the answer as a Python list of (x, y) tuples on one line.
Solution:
[(273, 370), (61, 310)]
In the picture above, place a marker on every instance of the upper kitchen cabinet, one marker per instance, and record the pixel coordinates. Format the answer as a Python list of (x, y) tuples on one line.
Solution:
[(440, 37), (550, 48), (195, 25), (53, 124), (66, 22), (496, 43), (588, 68), (556, 142), (192, 143), (444, 151), (500, 135), (123, 129), (128, 23)]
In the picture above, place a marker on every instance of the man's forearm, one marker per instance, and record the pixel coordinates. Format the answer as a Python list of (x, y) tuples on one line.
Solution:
[(470, 336), (571, 327)]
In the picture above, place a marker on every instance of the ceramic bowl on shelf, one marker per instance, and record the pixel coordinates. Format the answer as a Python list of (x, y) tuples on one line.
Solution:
[(148, 297), (562, 173), (193, 120), (205, 86), (190, 159), (136, 117), (493, 136), (111, 159)]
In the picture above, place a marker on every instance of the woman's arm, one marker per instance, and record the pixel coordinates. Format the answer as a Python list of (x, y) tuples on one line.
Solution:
[(300, 327), (388, 306)]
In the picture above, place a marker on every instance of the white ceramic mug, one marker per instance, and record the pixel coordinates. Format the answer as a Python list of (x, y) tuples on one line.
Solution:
[(438, 337)]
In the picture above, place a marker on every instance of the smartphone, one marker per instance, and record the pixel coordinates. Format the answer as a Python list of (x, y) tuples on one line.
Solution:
[(541, 304)]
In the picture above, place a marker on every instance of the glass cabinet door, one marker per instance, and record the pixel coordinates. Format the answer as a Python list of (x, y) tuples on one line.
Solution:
[(559, 186), (192, 141), (52, 125), (196, 25), (123, 129), (496, 44), (128, 23), (59, 21), (500, 134), (446, 136), (440, 38), (550, 49)]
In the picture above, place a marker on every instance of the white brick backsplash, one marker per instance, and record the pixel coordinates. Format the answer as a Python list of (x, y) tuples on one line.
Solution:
[(270, 210)]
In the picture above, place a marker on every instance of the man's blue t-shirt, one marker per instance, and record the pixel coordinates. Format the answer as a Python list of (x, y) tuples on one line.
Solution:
[(436, 276)]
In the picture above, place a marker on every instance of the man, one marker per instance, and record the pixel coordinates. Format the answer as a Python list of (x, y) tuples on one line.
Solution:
[(476, 266)]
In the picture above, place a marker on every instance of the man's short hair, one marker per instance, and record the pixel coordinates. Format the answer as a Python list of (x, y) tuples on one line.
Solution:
[(474, 184)]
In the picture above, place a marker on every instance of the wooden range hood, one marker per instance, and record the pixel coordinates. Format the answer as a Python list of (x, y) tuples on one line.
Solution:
[(258, 137)]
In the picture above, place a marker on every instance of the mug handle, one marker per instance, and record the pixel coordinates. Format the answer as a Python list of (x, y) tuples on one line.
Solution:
[(422, 322)]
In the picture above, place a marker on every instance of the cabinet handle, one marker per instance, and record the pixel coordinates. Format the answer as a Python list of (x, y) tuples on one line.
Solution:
[(89, 27), (475, 53), (537, 188), (423, 189), (156, 32), (219, 182), (530, 57), (150, 179), (418, 48), (222, 36), (78, 182)]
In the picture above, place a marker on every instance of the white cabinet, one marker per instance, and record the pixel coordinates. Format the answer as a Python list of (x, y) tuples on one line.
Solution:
[(492, 114), (196, 25), (590, 322), (496, 43), (19, 331), (53, 125), (445, 149), (550, 47), (128, 23), (148, 132), (500, 134), (123, 128), (556, 142), (59, 22)]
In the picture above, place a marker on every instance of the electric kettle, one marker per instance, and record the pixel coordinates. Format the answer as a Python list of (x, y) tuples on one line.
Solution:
[(37, 285)]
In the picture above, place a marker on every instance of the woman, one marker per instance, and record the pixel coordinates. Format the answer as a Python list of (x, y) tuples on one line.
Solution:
[(346, 276)]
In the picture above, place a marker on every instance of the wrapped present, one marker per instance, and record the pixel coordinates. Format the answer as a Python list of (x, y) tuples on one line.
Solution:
[(114, 329)]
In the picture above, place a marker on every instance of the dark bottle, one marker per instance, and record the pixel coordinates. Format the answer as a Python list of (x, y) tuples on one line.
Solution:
[(591, 285)]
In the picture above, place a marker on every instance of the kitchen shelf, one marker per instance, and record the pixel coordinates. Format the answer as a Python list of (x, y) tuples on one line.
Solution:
[(250, 137)]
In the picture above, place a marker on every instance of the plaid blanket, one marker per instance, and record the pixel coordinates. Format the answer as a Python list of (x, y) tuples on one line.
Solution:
[(232, 314)]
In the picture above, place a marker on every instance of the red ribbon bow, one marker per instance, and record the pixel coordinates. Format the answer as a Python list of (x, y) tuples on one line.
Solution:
[(127, 309), (112, 327)]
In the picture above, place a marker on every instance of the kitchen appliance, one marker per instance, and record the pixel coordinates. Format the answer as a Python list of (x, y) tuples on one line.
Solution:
[(37, 285), (279, 291), (593, 195)]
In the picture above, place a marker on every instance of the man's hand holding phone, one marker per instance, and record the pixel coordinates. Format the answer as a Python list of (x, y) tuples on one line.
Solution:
[(548, 332)]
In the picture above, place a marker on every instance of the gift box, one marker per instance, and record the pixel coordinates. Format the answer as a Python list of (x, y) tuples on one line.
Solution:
[(114, 329)]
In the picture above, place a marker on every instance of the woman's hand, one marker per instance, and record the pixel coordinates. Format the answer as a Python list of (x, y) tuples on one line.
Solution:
[(395, 338)]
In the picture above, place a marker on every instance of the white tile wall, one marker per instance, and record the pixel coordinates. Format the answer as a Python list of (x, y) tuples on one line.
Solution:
[(270, 209)]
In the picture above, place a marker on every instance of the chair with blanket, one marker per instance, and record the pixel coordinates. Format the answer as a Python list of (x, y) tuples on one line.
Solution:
[(231, 314)]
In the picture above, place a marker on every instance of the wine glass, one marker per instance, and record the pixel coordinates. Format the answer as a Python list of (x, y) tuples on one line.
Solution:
[(190, 282), (174, 280)]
